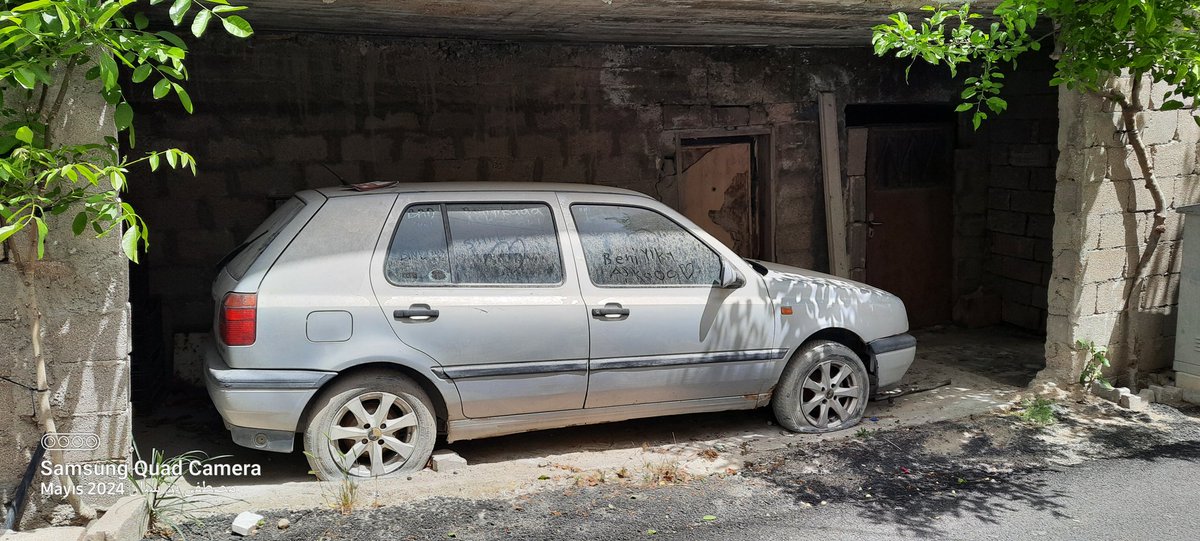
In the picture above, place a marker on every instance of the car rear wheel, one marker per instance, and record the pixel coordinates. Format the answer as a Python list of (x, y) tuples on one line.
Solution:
[(374, 424), (824, 388)]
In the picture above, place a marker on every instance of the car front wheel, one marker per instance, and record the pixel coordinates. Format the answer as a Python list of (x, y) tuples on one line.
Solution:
[(825, 387), (373, 424)]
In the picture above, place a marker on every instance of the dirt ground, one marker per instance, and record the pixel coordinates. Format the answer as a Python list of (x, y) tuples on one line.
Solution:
[(900, 476), (986, 369)]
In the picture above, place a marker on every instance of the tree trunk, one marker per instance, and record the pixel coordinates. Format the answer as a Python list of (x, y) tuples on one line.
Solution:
[(45, 415)]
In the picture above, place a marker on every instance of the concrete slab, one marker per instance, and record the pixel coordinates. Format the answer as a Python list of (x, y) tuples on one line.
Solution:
[(58, 533)]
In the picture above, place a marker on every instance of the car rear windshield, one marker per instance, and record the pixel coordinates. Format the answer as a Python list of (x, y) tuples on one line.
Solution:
[(240, 259)]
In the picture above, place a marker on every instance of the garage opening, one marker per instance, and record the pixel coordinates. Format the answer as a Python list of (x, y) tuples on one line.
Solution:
[(957, 222)]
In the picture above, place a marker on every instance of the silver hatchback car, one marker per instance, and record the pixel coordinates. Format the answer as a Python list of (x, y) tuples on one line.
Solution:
[(371, 321)]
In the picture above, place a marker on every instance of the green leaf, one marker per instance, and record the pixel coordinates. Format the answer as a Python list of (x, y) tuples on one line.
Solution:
[(161, 88), (1171, 105), (709, 518), (141, 73), (108, 70), (964, 107), (140, 21), (171, 158), (42, 231), (129, 242), (9, 230), (25, 135), (153, 159), (172, 39), (25, 77), (117, 179), (227, 9), (200, 23), (123, 115), (80, 222), (30, 6), (178, 10), (184, 99), (237, 26)]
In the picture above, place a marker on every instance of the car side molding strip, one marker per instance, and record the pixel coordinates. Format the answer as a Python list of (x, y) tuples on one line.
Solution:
[(652, 361), (511, 369)]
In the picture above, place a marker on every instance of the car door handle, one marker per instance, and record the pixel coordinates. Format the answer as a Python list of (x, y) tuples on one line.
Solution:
[(417, 311), (611, 311)]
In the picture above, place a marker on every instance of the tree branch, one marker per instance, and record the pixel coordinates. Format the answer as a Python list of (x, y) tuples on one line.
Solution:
[(56, 108)]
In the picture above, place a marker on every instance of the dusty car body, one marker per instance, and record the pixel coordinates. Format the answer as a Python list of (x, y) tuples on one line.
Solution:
[(373, 321)]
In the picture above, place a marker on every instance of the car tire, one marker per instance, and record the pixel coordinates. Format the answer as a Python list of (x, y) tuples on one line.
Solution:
[(808, 393), (347, 421)]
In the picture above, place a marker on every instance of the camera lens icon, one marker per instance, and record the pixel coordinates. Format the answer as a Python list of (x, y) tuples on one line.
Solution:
[(71, 442)]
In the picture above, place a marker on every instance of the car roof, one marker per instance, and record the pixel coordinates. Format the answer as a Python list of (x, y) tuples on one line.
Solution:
[(483, 187)]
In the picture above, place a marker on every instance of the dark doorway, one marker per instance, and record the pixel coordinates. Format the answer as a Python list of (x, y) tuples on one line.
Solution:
[(910, 214), (718, 190)]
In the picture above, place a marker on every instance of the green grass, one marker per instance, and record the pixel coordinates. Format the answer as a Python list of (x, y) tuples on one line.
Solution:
[(1037, 411)]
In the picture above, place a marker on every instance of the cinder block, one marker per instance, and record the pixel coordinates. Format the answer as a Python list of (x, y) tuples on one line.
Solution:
[(125, 520), (446, 460), (1133, 402)]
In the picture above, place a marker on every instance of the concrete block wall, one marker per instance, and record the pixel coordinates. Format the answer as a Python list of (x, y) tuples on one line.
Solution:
[(1005, 223), (271, 111), (83, 291), (1103, 223)]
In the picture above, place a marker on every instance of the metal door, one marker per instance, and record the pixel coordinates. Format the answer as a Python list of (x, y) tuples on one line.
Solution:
[(910, 192)]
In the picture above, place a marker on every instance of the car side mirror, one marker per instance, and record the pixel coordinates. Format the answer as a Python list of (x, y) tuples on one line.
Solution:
[(730, 277)]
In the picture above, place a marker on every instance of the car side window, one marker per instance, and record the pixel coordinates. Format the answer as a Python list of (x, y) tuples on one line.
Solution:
[(503, 243), (475, 243), (418, 254), (632, 246)]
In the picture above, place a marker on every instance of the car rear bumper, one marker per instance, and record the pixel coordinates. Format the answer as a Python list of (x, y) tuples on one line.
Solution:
[(261, 408), (893, 355)]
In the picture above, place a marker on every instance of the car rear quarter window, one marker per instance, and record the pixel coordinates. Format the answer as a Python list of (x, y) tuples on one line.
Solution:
[(475, 243), (633, 246), (240, 259)]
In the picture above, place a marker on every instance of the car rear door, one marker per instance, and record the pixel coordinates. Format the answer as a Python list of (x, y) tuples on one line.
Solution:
[(661, 330), (483, 284)]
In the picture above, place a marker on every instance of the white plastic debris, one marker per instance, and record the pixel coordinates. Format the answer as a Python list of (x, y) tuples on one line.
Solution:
[(246, 522)]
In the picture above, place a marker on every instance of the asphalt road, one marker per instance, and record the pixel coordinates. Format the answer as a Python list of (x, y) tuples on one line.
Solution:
[(1106, 499)]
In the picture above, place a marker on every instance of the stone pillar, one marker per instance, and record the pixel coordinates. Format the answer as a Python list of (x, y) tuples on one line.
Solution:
[(83, 292), (1103, 216)]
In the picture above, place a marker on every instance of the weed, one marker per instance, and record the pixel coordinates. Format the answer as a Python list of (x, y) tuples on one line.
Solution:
[(667, 472), (340, 495), (1037, 411), (169, 504), (710, 454), (590, 479), (864, 433), (1097, 361)]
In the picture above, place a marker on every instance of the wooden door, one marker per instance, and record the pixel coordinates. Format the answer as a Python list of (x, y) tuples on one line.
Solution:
[(910, 198), (715, 192)]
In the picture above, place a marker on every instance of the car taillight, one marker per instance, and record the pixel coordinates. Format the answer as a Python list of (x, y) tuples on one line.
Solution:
[(239, 319)]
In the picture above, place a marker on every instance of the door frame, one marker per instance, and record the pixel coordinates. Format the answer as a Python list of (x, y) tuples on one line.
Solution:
[(762, 174)]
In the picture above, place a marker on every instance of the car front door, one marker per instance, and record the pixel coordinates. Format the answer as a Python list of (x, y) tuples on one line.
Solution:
[(662, 330), (483, 284)]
